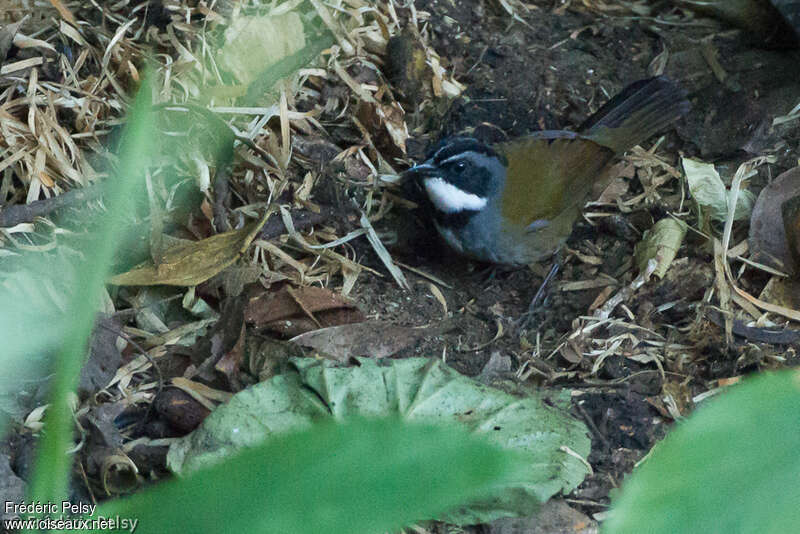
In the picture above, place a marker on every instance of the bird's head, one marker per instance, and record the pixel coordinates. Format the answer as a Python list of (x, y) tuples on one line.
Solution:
[(460, 175)]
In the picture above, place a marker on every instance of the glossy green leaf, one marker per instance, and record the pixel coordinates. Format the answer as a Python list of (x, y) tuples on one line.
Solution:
[(734, 466), (365, 476)]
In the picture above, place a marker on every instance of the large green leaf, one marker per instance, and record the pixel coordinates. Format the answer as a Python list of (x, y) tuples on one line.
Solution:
[(416, 389), (734, 466), (80, 305), (358, 477)]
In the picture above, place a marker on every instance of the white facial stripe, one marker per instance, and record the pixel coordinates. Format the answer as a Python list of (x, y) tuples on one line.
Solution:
[(450, 199)]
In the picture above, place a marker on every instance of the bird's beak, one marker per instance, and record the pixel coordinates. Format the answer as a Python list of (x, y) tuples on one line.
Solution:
[(420, 171)]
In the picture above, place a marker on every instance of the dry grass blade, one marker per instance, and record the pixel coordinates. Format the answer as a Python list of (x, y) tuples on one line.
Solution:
[(382, 253)]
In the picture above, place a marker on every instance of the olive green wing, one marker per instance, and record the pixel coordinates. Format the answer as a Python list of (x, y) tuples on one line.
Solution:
[(549, 174)]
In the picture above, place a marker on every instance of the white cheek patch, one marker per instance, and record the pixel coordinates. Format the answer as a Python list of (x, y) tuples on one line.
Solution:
[(450, 199)]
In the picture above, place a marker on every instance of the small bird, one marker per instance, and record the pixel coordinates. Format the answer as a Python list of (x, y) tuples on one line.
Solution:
[(515, 203)]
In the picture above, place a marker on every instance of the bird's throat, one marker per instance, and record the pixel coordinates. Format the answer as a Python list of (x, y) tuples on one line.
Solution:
[(455, 220)]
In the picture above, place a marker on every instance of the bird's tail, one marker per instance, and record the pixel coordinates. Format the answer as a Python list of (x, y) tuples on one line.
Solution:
[(641, 110)]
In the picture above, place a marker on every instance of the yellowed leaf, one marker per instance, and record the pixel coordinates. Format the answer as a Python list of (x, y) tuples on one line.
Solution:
[(192, 263)]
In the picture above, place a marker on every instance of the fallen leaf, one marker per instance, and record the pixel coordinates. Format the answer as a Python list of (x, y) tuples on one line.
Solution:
[(253, 43), (222, 349), (710, 193), (791, 225), (617, 183), (782, 291), (661, 243), (104, 359), (180, 410), (767, 240), (554, 517), (266, 357), (372, 339), (192, 263), (229, 363), (7, 34), (417, 390), (294, 311)]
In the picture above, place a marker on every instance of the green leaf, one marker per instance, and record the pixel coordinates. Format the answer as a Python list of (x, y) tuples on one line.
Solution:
[(416, 389), (733, 466), (365, 476), (49, 483)]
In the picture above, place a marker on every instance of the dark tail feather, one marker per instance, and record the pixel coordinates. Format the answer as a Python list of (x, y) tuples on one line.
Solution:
[(641, 110)]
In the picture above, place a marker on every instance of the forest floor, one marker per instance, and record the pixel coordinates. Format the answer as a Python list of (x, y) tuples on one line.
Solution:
[(632, 369)]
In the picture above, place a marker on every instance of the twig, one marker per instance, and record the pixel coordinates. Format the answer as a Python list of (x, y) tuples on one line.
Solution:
[(22, 213)]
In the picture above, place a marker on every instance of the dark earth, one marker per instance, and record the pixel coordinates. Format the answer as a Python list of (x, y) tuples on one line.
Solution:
[(548, 65), (552, 72)]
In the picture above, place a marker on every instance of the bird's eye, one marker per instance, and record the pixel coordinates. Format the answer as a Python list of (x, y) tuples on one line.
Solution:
[(460, 166)]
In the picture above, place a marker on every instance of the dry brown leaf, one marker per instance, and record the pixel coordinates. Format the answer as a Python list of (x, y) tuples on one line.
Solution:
[(7, 34), (371, 339), (790, 210), (64, 11), (292, 312), (192, 263), (230, 361), (768, 242), (180, 409), (782, 292), (617, 182)]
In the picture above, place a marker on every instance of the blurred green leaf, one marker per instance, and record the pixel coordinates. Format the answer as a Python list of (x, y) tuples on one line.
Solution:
[(255, 42), (365, 476), (416, 389), (733, 466), (80, 304)]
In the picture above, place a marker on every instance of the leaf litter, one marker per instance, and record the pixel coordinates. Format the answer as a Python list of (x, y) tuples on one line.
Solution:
[(628, 349)]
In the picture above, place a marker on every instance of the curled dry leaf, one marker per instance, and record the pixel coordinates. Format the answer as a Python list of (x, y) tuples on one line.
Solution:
[(407, 68), (180, 410), (294, 311), (782, 291), (386, 125), (768, 240), (791, 225), (710, 193), (192, 263), (554, 516), (660, 243), (228, 364), (7, 34), (104, 358)]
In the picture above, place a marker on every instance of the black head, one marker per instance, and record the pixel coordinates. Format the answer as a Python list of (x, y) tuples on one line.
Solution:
[(460, 174)]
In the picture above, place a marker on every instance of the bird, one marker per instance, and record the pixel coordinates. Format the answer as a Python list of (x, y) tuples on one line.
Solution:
[(515, 203)]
